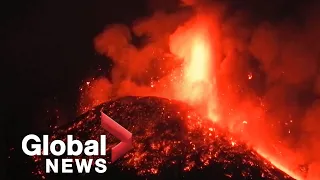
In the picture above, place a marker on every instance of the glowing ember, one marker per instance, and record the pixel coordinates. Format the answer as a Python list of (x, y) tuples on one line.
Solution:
[(169, 136)]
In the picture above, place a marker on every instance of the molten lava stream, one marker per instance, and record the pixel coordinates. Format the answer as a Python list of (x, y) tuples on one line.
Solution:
[(278, 164)]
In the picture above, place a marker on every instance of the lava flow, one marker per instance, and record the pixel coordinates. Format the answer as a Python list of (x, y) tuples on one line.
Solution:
[(171, 141)]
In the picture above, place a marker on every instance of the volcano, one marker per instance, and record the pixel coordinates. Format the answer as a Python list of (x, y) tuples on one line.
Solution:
[(170, 141)]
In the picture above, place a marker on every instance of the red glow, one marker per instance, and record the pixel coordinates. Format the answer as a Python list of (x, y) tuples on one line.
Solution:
[(193, 43), (195, 83)]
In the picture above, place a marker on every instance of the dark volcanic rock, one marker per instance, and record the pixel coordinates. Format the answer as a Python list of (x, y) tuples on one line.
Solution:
[(170, 142)]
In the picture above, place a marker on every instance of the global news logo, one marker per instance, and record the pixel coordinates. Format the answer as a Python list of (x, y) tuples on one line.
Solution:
[(42, 147)]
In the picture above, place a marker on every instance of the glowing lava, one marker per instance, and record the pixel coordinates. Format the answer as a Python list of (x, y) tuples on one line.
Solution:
[(195, 81), (171, 141), (193, 43)]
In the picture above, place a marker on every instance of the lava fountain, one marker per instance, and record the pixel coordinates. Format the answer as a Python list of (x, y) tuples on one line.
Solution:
[(193, 43)]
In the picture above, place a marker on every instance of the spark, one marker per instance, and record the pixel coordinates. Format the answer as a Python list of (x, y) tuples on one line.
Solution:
[(165, 141)]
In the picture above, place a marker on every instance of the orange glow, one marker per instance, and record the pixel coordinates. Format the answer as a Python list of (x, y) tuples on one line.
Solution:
[(194, 82), (196, 70), (280, 165), (196, 67), (193, 44)]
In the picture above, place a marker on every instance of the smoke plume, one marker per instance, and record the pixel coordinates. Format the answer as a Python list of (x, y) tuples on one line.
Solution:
[(267, 70)]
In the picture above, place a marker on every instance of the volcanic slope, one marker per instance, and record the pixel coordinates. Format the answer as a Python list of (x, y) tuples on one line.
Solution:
[(171, 141)]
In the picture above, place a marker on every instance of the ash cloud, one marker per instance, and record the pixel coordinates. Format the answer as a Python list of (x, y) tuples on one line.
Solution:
[(279, 49)]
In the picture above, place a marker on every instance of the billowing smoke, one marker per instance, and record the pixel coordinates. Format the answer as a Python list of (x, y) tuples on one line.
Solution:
[(267, 71), (281, 59), (140, 54)]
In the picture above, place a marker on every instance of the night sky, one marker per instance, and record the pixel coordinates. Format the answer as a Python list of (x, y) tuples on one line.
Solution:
[(50, 51)]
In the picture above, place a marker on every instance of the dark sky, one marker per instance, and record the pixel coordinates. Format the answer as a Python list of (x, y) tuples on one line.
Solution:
[(49, 51)]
